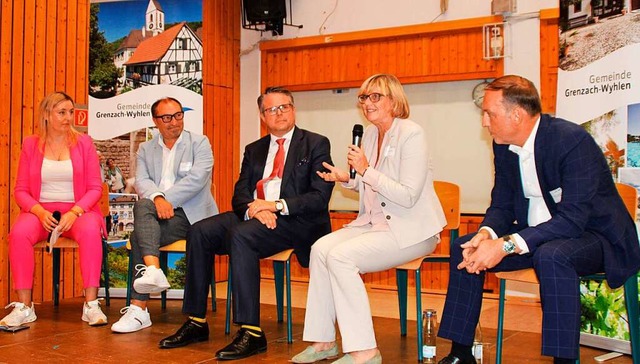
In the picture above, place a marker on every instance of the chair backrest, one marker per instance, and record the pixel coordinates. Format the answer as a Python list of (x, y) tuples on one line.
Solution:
[(104, 200), (630, 198), (449, 196)]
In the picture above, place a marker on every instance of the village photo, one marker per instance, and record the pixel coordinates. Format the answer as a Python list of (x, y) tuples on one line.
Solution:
[(140, 51)]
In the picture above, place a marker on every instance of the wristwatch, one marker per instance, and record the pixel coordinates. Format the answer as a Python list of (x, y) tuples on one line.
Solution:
[(509, 246), (279, 205)]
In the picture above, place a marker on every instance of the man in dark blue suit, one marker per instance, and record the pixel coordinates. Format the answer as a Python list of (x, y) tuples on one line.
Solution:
[(279, 202), (554, 207)]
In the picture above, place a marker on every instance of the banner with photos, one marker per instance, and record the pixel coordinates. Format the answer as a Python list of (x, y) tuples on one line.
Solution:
[(139, 51), (598, 88)]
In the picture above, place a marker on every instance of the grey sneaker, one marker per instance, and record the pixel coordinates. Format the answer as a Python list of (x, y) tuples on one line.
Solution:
[(21, 314)]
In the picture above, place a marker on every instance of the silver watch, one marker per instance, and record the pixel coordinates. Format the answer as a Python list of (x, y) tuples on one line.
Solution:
[(509, 246), (279, 205)]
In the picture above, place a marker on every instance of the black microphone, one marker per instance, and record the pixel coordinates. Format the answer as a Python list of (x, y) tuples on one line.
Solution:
[(56, 215), (356, 139)]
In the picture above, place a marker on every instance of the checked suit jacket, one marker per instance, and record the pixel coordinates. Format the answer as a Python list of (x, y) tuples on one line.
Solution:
[(578, 190)]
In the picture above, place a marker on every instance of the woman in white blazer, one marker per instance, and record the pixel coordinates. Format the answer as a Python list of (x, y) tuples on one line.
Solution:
[(400, 219)]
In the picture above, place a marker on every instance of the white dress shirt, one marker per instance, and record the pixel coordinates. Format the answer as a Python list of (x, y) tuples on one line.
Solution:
[(168, 166), (272, 187), (538, 211)]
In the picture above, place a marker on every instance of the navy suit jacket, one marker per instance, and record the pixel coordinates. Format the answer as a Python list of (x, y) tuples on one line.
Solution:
[(306, 194), (568, 158)]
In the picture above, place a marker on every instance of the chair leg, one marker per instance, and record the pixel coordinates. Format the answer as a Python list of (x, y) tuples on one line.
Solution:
[(227, 320), (288, 282), (129, 280), (163, 265), (56, 277), (633, 315), (419, 313), (214, 305), (105, 270), (500, 322), (401, 281), (278, 270)]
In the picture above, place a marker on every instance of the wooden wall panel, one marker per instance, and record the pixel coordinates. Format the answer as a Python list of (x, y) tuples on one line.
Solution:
[(221, 92), (6, 37), (549, 43), (444, 51)]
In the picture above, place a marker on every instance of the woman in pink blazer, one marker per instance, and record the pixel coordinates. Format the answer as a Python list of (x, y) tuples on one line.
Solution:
[(58, 171)]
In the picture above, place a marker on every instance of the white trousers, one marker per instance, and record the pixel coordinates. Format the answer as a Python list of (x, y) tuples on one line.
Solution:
[(336, 290)]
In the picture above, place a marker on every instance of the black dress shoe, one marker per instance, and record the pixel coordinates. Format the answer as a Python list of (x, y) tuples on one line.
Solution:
[(452, 359), (244, 344), (190, 332)]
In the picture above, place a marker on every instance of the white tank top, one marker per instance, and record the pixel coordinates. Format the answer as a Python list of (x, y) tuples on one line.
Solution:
[(57, 181)]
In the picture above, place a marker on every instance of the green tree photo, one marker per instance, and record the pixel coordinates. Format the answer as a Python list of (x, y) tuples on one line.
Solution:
[(103, 74)]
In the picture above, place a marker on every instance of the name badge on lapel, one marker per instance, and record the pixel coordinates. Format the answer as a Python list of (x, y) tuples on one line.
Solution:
[(556, 195), (185, 166), (389, 151)]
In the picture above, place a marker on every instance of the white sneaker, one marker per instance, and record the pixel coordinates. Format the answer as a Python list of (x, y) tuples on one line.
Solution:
[(92, 314), (21, 314), (134, 319), (153, 280)]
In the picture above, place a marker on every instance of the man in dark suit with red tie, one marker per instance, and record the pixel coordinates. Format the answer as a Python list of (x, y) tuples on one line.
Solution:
[(279, 202), (554, 208)]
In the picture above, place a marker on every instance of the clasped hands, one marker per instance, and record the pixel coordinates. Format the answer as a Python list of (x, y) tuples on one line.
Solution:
[(481, 253), (263, 211), (355, 159)]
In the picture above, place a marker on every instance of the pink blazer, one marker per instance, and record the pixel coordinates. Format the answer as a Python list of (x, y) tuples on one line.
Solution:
[(87, 184)]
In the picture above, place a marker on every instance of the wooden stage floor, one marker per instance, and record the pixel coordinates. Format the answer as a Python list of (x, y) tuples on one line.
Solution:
[(59, 335)]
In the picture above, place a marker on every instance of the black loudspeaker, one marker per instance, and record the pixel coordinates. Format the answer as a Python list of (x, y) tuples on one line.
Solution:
[(261, 11)]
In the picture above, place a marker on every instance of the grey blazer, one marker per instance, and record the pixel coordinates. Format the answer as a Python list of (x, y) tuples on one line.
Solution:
[(403, 180), (193, 168)]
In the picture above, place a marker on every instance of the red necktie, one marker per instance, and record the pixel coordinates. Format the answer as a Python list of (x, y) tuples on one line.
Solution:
[(278, 168)]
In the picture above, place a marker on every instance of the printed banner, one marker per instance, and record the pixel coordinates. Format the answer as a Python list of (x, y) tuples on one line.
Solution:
[(599, 88), (139, 51)]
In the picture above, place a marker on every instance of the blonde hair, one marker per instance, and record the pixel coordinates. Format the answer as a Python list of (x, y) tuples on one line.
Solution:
[(44, 111), (391, 87)]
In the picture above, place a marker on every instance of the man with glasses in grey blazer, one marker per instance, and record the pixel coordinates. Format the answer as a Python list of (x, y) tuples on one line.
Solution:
[(173, 181)]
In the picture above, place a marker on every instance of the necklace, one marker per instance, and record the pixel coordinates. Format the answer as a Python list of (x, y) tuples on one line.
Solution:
[(57, 154)]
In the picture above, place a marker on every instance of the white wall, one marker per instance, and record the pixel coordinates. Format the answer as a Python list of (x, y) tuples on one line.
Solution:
[(460, 147)]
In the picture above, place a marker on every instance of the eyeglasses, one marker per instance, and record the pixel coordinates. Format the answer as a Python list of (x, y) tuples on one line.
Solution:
[(284, 108), (167, 117), (374, 97)]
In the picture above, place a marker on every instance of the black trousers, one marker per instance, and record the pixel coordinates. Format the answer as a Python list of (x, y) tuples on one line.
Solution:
[(246, 242)]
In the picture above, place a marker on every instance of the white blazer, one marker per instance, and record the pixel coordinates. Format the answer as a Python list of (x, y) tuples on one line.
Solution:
[(403, 180)]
